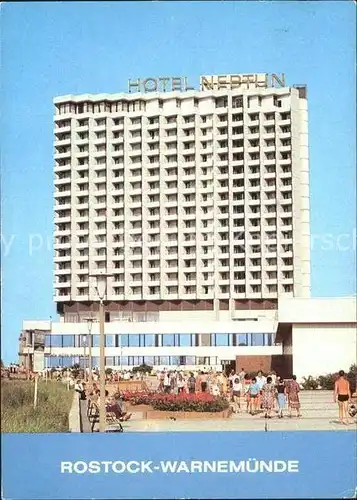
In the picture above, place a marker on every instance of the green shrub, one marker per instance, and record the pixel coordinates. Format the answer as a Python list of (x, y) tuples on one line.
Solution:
[(142, 369), (50, 415), (327, 382), (310, 383)]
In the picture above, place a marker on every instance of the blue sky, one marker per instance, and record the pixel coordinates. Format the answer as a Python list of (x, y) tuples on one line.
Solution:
[(59, 48)]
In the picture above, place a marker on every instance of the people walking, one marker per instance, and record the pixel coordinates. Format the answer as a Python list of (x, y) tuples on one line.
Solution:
[(236, 393), (254, 390), (191, 384), (281, 393), (268, 397), (292, 392), (180, 383), (231, 377), (342, 394), (80, 388), (246, 384), (203, 382), (214, 385), (167, 383)]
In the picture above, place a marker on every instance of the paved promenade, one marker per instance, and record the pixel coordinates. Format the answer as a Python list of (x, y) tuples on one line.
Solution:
[(319, 413)]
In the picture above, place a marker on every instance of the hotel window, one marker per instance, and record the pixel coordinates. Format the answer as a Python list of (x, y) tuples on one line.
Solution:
[(220, 339), (150, 340), (203, 361), (168, 340), (221, 102), (67, 361), (95, 361), (242, 339), (68, 340), (95, 340), (184, 340), (56, 340), (134, 340), (256, 339), (110, 341), (123, 340), (237, 102)]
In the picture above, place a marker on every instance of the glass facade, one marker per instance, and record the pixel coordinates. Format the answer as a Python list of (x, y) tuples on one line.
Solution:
[(164, 340), (67, 361)]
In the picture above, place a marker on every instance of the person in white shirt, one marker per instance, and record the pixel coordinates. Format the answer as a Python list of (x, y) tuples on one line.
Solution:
[(181, 382), (231, 377), (261, 380), (237, 388), (80, 388)]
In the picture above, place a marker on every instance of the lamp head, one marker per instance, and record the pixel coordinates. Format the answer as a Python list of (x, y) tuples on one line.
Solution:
[(101, 285)]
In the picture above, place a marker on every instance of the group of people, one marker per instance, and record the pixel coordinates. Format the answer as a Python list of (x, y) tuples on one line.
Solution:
[(172, 382), (113, 404), (271, 393), (259, 393)]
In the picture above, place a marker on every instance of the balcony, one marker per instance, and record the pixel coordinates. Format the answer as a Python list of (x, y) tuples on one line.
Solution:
[(82, 284), (62, 130), (63, 194), (284, 123), (83, 168), (82, 180), (254, 162), (64, 284), (64, 180), (62, 232), (83, 128), (62, 142), (117, 128), (65, 258), (63, 272), (62, 168), (64, 206), (269, 136)]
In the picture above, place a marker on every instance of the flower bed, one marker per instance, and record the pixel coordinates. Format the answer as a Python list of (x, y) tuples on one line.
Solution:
[(200, 402), (183, 415)]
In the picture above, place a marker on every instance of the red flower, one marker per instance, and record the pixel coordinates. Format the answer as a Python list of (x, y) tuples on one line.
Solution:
[(176, 402)]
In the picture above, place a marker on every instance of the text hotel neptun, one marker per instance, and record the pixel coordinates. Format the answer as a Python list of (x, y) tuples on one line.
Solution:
[(216, 82)]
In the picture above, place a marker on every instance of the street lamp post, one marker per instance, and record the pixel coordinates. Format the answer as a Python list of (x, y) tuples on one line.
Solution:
[(101, 290), (85, 343), (90, 322)]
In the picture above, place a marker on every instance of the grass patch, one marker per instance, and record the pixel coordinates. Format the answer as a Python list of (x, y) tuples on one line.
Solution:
[(54, 402)]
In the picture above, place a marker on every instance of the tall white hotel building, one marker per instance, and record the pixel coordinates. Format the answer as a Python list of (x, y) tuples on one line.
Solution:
[(196, 203)]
